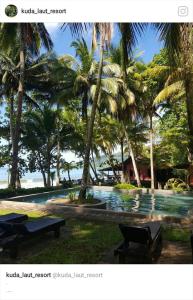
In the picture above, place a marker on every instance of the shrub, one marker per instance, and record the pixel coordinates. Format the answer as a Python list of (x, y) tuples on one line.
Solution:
[(7, 193), (72, 196), (90, 198), (176, 184), (125, 186)]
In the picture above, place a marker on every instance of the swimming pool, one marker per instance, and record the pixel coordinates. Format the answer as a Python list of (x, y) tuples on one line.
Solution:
[(176, 205)]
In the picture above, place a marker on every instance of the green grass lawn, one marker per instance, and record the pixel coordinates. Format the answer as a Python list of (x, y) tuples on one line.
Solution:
[(81, 242), (86, 243)]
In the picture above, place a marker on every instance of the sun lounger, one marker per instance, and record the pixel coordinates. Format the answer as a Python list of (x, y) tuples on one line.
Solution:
[(141, 244), (13, 217), (17, 233)]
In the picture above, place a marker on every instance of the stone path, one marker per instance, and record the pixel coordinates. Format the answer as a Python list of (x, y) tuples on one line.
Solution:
[(172, 253), (176, 253)]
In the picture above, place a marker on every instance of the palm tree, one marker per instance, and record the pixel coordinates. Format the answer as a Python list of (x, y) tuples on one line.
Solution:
[(152, 79), (68, 166), (37, 81), (128, 33), (29, 36), (85, 69), (107, 138), (104, 30), (125, 99), (40, 140), (178, 40)]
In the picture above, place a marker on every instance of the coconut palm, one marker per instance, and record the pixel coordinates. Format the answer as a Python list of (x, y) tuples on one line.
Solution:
[(125, 102), (152, 79), (40, 140), (68, 166), (85, 70), (29, 37), (178, 40), (104, 30)]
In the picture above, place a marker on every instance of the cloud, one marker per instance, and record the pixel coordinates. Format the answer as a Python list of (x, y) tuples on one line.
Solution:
[(52, 27)]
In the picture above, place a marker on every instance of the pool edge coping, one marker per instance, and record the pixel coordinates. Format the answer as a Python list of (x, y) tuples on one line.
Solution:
[(84, 210)]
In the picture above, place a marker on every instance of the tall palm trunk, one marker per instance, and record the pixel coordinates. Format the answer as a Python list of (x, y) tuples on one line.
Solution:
[(49, 177), (123, 179), (58, 153), (85, 176), (189, 107), (94, 172), (84, 107), (11, 129), (58, 163), (186, 47), (69, 178), (93, 166), (48, 164), (42, 170), (49, 173), (16, 135), (151, 151), (124, 64), (133, 162)]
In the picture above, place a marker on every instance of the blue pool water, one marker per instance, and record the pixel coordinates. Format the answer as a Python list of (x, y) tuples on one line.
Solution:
[(169, 205)]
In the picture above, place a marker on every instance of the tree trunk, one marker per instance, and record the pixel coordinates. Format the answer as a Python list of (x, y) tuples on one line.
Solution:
[(95, 174), (48, 174), (85, 175), (186, 51), (134, 163), (16, 135), (84, 107), (58, 164), (44, 178), (91, 179), (69, 178), (151, 152), (11, 129), (18, 182), (48, 164), (93, 166), (58, 153), (42, 170), (123, 179), (189, 107)]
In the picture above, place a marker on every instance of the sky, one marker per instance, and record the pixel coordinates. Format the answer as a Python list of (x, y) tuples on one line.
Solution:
[(148, 43)]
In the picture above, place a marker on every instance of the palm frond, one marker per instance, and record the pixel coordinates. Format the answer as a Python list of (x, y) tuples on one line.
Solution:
[(169, 91)]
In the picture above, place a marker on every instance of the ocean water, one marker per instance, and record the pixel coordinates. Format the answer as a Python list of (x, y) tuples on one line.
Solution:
[(36, 177)]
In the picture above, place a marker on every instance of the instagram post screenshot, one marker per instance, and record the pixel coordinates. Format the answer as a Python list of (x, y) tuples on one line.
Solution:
[(96, 150)]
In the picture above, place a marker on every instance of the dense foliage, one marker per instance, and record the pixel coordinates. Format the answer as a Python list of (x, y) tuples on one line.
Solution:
[(93, 103)]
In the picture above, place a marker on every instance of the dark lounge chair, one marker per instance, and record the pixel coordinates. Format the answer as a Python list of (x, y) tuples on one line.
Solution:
[(17, 233), (13, 217), (141, 244)]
